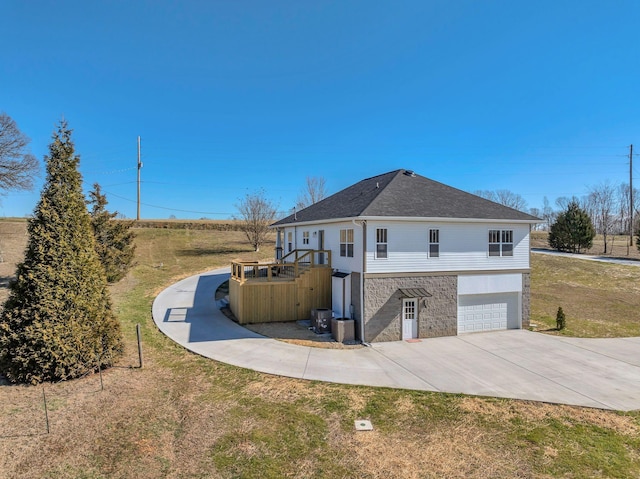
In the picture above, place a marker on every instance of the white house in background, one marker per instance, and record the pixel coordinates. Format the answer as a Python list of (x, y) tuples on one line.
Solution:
[(414, 258)]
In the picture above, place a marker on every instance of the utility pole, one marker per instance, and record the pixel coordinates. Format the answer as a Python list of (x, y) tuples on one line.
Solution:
[(630, 195), (139, 167)]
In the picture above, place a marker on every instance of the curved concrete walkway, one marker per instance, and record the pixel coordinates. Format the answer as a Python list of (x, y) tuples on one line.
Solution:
[(601, 373)]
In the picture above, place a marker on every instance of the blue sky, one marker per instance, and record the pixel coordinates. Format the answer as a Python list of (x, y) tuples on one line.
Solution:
[(230, 97)]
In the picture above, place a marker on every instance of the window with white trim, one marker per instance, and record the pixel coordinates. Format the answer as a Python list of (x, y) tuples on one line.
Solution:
[(381, 243), (305, 237), (434, 243), (500, 242), (346, 242), (289, 242)]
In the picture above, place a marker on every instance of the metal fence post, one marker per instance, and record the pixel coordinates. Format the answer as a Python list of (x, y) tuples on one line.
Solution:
[(139, 344)]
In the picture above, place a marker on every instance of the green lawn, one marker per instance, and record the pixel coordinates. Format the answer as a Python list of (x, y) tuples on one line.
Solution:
[(183, 416), (599, 299)]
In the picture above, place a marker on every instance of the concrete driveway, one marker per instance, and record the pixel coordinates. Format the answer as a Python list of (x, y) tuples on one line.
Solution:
[(600, 373)]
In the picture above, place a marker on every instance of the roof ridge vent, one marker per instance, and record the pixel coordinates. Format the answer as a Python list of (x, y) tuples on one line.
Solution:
[(410, 173)]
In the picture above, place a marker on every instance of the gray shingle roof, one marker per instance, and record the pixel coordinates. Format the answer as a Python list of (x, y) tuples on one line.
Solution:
[(401, 193)]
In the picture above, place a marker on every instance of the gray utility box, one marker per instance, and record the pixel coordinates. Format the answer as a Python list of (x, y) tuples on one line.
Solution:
[(321, 320), (343, 329)]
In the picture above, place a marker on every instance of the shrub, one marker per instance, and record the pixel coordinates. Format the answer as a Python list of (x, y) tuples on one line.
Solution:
[(561, 320), (114, 239), (572, 231)]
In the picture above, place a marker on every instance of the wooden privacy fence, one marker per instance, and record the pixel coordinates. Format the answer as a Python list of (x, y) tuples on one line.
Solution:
[(283, 291)]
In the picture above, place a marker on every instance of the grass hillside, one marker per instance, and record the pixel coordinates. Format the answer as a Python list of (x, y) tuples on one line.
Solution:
[(183, 416)]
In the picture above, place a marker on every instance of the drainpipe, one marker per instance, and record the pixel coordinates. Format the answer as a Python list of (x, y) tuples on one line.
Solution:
[(363, 225), (279, 254)]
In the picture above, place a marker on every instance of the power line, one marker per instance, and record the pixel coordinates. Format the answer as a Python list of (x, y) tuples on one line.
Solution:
[(107, 172), (166, 207)]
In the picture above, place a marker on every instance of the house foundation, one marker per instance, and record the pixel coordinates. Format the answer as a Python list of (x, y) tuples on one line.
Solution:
[(437, 311)]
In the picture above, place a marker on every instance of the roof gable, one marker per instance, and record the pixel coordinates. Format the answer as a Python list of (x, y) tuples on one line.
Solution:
[(401, 193)]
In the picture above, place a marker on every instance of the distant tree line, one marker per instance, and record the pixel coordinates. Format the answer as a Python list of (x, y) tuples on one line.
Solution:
[(607, 206)]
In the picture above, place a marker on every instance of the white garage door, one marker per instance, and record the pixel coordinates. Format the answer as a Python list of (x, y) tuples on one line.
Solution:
[(487, 312)]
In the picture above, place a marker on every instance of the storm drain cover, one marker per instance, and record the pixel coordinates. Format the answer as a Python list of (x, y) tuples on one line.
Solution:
[(363, 425)]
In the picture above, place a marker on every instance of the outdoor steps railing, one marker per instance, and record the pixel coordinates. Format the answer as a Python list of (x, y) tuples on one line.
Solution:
[(289, 268)]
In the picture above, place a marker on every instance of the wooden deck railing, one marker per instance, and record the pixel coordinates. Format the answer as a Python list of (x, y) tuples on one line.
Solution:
[(288, 268)]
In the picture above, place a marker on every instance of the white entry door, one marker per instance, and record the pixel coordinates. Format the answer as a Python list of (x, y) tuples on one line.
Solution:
[(409, 318)]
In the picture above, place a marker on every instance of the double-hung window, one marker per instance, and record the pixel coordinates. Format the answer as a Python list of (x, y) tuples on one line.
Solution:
[(500, 242), (381, 242), (305, 237), (434, 243), (289, 242), (346, 243)]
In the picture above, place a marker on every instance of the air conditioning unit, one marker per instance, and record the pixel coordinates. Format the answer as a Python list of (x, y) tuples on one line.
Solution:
[(321, 320), (343, 329)]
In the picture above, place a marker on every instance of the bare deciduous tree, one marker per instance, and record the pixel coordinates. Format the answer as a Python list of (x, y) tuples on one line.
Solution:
[(17, 165), (486, 194), (537, 213), (256, 213), (504, 197), (562, 202), (511, 199), (314, 191), (548, 215), (602, 201), (624, 212)]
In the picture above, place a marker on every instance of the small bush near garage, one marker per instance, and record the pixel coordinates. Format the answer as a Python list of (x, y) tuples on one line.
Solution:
[(561, 320)]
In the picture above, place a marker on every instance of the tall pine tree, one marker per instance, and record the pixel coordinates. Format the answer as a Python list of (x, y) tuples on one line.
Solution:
[(572, 231), (114, 238), (58, 322)]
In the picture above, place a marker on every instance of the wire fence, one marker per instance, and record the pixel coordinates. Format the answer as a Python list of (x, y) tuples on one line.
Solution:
[(28, 410)]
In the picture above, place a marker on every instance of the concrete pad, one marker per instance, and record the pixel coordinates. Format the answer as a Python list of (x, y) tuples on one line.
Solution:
[(453, 365), (518, 364), (622, 349), (361, 366)]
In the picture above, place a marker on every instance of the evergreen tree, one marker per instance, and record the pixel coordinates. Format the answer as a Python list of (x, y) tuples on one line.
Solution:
[(114, 239), (561, 319), (58, 322), (572, 230)]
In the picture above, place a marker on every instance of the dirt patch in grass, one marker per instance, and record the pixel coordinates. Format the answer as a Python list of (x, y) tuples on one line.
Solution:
[(536, 412), (464, 451), (295, 333)]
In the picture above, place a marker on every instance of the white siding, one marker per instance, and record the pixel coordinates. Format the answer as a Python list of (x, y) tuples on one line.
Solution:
[(331, 242), (489, 283), (463, 247)]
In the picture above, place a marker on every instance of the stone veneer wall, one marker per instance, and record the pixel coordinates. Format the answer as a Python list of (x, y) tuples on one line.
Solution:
[(437, 315), (526, 300)]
